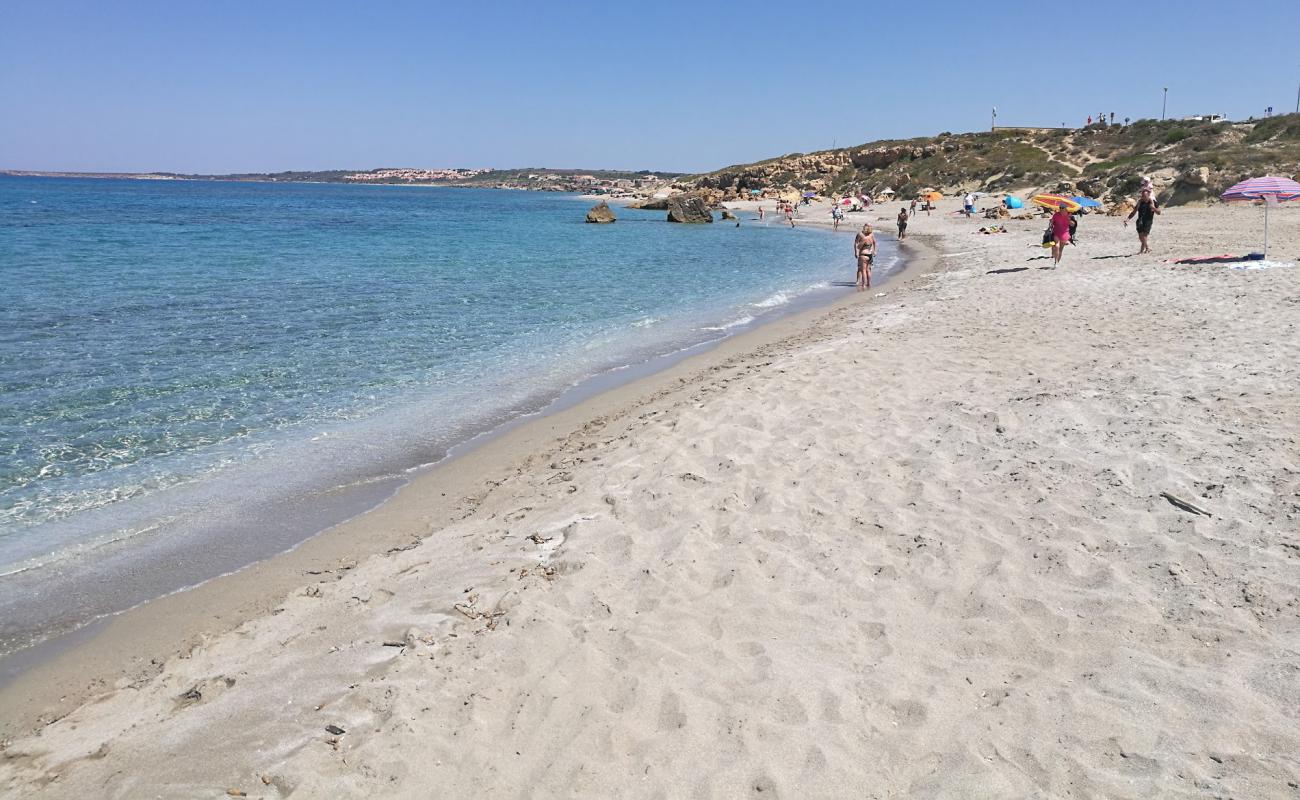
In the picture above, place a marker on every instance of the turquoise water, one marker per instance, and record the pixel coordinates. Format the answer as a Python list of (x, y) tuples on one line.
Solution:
[(177, 352)]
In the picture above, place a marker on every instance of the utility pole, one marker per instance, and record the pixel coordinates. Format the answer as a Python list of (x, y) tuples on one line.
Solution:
[(994, 126), (1164, 103)]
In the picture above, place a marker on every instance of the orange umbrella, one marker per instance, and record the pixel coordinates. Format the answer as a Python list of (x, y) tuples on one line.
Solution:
[(1055, 201), (932, 196)]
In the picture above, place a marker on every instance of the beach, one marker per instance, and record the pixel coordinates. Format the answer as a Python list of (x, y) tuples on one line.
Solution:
[(990, 530)]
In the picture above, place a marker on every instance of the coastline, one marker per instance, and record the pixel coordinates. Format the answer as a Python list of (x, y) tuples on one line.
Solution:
[(41, 683), (176, 538), (919, 547)]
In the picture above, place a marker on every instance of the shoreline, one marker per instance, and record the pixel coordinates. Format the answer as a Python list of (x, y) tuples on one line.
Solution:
[(40, 683), (189, 545), (1014, 531)]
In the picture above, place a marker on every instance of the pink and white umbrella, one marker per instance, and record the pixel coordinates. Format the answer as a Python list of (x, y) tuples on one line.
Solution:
[(1271, 189)]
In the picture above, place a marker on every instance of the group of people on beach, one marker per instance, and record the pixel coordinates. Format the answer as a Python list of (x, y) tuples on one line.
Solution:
[(1061, 229), (1063, 225)]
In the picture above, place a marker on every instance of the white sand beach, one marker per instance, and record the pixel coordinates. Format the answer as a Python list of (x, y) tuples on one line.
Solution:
[(940, 543)]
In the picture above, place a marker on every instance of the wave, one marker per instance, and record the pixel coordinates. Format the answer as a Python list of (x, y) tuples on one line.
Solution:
[(726, 326), (778, 299)]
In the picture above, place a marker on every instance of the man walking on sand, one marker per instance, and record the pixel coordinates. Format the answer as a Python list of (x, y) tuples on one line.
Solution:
[(864, 249), (902, 223), (1146, 210)]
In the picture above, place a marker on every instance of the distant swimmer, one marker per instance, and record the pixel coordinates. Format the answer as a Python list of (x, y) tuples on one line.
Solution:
[(902, 223), (864, 249)]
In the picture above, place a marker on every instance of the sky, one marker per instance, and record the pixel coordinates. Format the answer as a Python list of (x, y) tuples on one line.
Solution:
[(245, 86)]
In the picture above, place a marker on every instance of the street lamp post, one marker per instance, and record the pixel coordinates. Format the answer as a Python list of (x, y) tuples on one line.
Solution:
[(1164, 103)]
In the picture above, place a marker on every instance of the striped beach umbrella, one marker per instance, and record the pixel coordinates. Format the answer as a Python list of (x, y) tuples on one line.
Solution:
[(1055, 201), (1270, 188)]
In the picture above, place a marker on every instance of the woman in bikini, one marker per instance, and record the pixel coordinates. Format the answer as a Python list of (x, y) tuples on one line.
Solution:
[(864, 249)]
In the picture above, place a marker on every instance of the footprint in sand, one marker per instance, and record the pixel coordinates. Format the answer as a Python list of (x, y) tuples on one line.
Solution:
[(671, 716), (909, 713)]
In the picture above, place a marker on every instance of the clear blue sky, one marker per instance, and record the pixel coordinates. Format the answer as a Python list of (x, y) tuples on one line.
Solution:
[(270, 85)]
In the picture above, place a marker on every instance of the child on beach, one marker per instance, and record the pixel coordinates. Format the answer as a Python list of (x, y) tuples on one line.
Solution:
[(902, 222)]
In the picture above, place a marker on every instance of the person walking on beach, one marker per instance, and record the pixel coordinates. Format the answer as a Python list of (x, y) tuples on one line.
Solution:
[(1060, 235), (968, 204), (864, 249), (902, 223), (836, 215), (911, 210), (760, 213), (1145, 210)]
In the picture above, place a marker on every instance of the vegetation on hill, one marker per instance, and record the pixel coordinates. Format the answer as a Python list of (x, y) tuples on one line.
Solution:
[(1189, 160)]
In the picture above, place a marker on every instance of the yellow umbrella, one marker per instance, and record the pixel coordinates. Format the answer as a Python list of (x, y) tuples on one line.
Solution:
[(1055, 201)]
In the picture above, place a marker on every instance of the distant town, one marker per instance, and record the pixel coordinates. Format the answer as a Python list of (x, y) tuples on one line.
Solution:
[(614, 183)]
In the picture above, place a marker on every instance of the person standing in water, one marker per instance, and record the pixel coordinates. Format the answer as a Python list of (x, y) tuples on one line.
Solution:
[(1145, 210), (864, 249), (902, 223), (1060, 235)]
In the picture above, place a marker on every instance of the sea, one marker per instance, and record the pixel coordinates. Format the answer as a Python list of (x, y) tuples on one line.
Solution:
[(195, 375)]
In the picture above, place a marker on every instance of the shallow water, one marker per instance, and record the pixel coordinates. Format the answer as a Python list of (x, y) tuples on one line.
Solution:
[(188, 365)]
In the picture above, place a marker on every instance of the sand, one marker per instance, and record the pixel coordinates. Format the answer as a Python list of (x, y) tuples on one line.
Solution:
[(913, 547)]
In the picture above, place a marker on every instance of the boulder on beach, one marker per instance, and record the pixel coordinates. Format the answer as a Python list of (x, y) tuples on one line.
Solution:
[(1122, 208), (600, 213), (726, 214), (651, 204), (1190, 186), (688, 208)]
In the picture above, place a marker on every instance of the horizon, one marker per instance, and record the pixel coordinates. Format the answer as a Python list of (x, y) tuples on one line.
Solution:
[(298, 87)]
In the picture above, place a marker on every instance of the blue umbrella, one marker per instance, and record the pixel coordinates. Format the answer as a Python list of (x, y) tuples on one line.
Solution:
[(1014, 202), (1087, 202), (809, 194)]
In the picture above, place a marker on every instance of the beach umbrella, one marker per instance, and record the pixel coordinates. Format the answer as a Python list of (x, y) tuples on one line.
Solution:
[(886, 190), (1087, 202), (755, 191), (1270, 189), (932, 196), (809, 194), (1014, 202), (848, 201), (1055, 201)]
